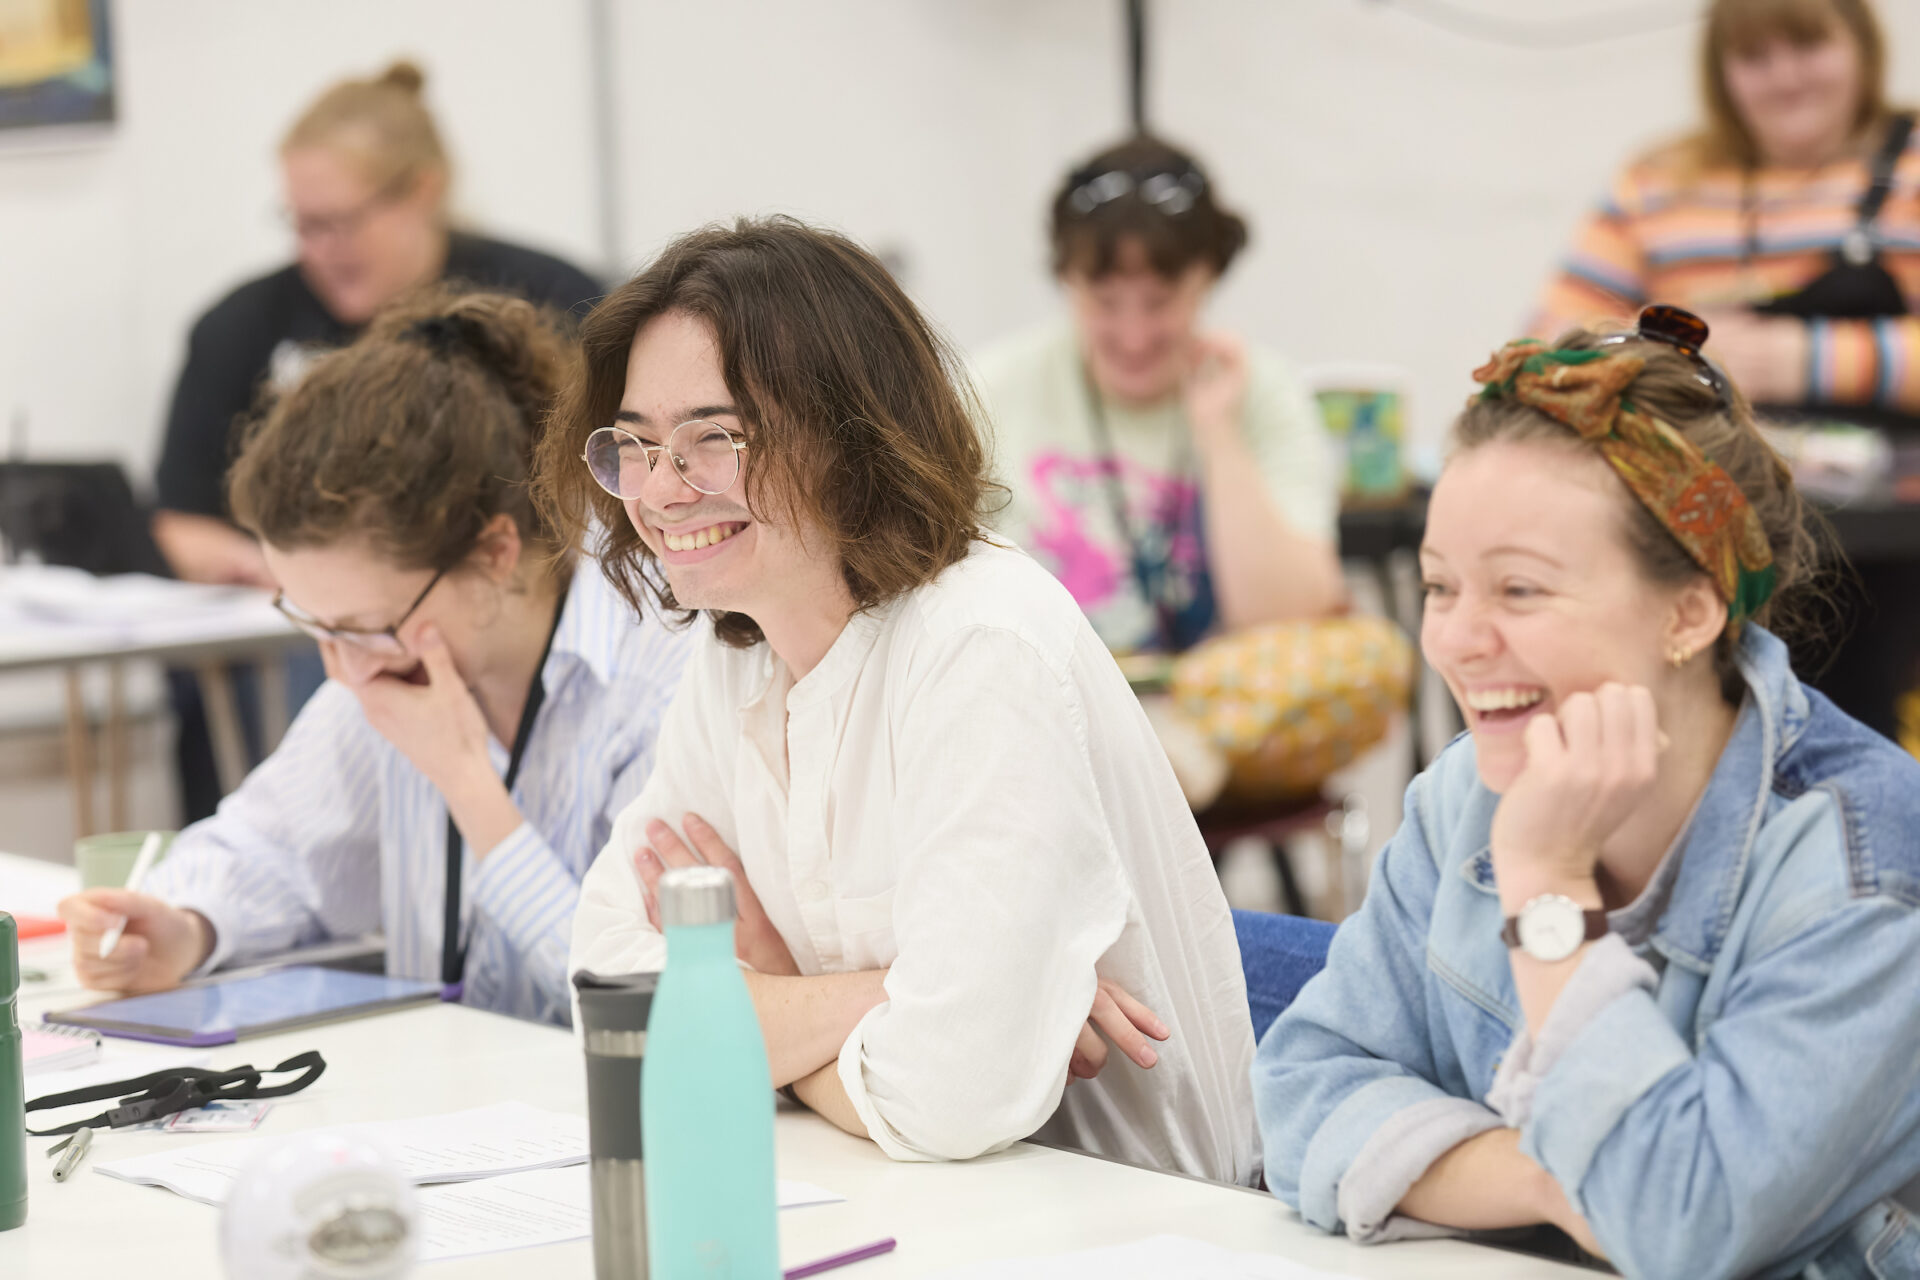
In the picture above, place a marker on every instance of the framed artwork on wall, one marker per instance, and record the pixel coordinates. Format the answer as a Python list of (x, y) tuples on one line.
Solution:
[(56, 63)]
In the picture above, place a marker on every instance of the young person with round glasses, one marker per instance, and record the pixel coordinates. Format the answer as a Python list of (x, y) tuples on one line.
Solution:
[(1640, 963), (960, 851), (490, 707)]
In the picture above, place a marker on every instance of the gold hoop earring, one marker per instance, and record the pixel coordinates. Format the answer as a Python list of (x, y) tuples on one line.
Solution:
[(1678, 657)]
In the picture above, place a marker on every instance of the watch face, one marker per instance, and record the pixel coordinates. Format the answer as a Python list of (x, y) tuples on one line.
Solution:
[(1552, 928)]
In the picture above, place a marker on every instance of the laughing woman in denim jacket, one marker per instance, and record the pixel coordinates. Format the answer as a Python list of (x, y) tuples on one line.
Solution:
[(1644, 960)]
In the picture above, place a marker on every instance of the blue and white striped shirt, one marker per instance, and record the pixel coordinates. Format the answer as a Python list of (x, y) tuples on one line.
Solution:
[(336, 834)]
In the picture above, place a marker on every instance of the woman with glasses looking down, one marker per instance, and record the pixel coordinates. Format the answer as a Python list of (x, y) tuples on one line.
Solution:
[(490, 708)]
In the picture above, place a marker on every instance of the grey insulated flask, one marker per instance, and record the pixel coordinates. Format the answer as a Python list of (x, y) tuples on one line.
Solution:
[(613, 1021)]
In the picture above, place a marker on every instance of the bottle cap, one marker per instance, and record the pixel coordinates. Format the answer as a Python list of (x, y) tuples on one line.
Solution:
[(696, 895), (621, 1002), (9, 957)]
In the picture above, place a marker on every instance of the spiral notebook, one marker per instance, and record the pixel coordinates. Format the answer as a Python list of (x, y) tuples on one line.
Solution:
[(52, 1047)]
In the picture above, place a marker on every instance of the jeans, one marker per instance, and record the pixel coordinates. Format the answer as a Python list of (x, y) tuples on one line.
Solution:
[(1278, 953)]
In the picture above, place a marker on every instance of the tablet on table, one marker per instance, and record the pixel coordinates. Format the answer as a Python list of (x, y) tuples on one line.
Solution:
[(223, 1010)]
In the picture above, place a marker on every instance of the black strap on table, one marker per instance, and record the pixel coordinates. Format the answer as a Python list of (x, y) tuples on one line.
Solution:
[(161, 1093), (453, 948), (1152, 585)]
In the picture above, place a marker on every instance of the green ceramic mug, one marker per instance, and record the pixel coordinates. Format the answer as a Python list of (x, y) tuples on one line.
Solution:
[(105, 860)]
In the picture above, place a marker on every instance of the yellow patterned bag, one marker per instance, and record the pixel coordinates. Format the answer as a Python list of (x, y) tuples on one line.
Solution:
[(1291, 702)]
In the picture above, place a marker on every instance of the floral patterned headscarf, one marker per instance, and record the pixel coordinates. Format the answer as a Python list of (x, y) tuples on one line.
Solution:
[(1687, 492)]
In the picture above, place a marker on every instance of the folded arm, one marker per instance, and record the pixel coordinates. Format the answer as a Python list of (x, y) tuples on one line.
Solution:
[(1368, 1126), (1007, 894), (1673, 1151)]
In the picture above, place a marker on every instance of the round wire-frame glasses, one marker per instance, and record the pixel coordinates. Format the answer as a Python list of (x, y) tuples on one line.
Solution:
[(704, 454)]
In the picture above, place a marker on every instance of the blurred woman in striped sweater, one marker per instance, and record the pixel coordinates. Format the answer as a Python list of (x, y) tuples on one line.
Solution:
[(1790, 221), (1769, 221)]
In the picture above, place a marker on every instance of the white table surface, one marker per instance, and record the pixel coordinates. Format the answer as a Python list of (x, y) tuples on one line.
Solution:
[(1027, 1200)]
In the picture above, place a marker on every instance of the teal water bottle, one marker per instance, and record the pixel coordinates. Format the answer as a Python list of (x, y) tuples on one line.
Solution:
[(13, 1084), (706, 1099)]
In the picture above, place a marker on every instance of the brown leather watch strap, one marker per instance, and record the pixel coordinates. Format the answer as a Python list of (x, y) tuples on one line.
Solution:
[(1596, 921)]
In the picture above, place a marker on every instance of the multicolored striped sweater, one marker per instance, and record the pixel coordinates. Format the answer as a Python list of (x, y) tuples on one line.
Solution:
[(1657, 239)]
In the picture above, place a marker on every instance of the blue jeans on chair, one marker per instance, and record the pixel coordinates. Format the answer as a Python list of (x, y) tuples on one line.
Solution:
[(1278, 954)]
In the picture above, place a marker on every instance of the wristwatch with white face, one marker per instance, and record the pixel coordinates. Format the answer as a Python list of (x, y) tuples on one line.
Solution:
[(1552, 926)]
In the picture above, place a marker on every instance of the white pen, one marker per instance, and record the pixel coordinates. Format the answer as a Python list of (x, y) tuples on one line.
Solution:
[(149, 850)]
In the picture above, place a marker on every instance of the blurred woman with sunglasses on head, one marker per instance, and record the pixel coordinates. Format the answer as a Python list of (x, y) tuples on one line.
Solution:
[(1174, 479), (1790, 221), (490, 708), (1639, 963)]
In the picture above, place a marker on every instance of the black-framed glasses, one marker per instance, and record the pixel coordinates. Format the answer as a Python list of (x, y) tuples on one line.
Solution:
[(705, 454), (1171, 191), (382, 640), (1686, 333)]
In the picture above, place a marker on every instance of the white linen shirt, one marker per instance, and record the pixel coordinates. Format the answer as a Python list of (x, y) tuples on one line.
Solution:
[(966, 792), (337, 834)]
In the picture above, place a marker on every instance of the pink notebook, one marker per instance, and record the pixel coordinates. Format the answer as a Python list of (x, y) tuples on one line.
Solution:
[(52, 1047)]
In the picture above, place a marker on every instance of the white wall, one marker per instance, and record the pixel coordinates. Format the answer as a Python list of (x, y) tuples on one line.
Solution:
[(1407, 187)]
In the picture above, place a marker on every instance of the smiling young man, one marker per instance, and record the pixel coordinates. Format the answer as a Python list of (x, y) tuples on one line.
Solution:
[(953, 831)]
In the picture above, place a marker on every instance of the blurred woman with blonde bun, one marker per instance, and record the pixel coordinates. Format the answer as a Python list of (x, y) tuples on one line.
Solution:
[(366, 180)]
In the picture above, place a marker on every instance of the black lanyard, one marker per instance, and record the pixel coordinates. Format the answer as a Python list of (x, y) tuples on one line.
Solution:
[(453, 948), (162, 1093), (1152, 584)]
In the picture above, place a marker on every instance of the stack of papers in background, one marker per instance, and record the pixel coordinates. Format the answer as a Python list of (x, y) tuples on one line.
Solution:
[(44, 606)]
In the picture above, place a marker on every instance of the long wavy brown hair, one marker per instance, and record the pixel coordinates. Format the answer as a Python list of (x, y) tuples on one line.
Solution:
[(861, 426)]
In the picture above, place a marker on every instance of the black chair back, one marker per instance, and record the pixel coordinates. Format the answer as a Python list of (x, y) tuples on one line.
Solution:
[(78, 514)]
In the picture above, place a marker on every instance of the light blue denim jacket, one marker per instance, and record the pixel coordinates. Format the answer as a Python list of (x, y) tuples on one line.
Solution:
[(1751, 1108)]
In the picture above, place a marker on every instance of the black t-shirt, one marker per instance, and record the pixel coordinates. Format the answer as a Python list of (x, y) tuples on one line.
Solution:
[(276, 321)]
